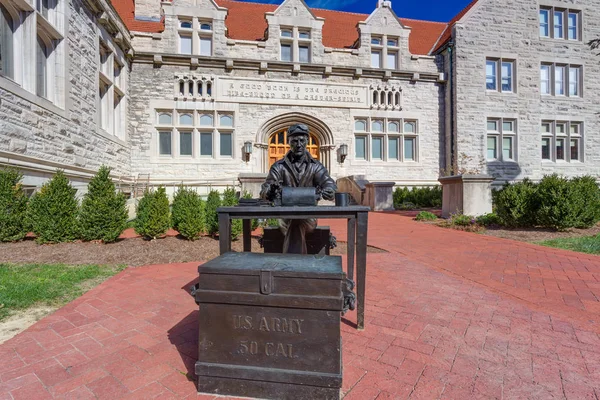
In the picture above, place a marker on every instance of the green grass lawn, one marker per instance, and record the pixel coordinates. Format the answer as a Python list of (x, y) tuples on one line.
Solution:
[(24, 286), (586, 244)]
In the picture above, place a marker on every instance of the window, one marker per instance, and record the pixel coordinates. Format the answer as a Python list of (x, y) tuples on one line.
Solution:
[(111, 92), (566, 78), (186, 119), (295, 45), (205, 46), (7, 56), (226, 120), (381, 54), (544, 18), (195, 37), (206, 144), (501, 138), (164, 143), (226, 144), (559, 23), (303, 52), (376, 59), (499, 70), (286, 52), (185, 44), (391, 60), (195, 135), (185, 143), (41, 68), (386, 140), (561, 141)]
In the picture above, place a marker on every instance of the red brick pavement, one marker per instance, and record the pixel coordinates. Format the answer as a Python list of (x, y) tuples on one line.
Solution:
[(449, 315)]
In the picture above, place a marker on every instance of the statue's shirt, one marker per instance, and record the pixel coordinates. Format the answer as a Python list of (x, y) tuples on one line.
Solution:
[(307, 173)]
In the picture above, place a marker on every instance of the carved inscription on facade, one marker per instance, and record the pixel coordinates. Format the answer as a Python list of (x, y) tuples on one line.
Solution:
[(275, 325), (287, 92)]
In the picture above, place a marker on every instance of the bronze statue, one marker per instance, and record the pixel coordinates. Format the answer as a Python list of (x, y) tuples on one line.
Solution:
[(297, 169)]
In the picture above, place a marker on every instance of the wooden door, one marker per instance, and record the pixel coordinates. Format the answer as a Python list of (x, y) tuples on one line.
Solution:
[(278, 146)]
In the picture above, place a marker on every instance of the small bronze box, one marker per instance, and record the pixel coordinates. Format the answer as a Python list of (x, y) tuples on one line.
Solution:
[(270, 326)]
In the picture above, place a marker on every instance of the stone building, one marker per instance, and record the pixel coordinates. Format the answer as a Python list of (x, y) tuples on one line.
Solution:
[(200, 92)]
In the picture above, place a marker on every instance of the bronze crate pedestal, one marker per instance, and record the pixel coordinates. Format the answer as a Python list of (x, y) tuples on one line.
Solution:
[(270, 326)]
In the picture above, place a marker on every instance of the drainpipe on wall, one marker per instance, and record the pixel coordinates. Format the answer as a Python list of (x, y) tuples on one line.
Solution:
[(453, 161)]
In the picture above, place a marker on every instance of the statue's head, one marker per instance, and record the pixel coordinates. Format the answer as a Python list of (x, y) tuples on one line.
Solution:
[(298, 139)]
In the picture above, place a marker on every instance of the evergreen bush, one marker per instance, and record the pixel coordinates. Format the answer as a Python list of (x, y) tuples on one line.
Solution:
[(212, 219), (488, 219), (406, 199), (229, 200), (13, 206), (516, 204), (585, 201), (53, 211), (103, 215), (188, 213), (153, 215), (255, 222)]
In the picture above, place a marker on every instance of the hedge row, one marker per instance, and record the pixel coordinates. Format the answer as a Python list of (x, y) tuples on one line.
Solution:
[(406, 199), (54, 214), (555, 202)]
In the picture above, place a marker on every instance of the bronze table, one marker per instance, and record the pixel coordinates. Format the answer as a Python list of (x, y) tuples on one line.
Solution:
[(357, 217)]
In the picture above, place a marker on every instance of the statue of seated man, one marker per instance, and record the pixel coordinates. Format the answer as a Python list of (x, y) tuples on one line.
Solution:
[(297, 169)]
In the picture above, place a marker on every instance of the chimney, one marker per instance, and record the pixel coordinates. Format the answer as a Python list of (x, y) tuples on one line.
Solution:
[(148, 10), (384, 3)]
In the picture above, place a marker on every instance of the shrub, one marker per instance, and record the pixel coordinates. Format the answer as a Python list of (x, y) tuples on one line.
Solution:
[(229, 200), (426, 216), (419, 197), (406, 206), (188, 213), (53, 211), (13, 206), (212, 219), (153, 216), (585, 201), (462, 220), (554, 194), (488, 219), (103, 215), (516, 204), (255, 222)]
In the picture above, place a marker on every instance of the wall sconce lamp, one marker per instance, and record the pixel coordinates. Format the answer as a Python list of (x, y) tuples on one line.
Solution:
[(247, 151), (343, 152)]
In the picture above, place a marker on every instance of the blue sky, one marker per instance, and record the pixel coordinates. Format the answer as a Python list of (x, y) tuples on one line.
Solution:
[(430, 10)]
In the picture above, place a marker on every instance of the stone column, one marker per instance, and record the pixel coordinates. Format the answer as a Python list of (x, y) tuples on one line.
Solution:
[(466, 194)]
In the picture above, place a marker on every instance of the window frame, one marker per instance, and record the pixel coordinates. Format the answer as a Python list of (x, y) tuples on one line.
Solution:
[(389, 139), (565, 83), (553, 136), (563, 25), (498, 64), (499, 134)]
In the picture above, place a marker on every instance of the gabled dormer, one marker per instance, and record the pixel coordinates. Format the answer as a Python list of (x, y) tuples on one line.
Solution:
[(383, 39), (195, 27), (295, 33)]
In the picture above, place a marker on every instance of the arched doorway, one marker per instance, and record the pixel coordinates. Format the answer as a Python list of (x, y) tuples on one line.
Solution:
[(278, 146)]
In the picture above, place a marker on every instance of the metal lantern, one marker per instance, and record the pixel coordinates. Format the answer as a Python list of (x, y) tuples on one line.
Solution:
[(343, 152)]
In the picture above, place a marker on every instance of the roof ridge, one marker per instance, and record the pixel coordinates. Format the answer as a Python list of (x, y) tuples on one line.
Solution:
[(424, 20)]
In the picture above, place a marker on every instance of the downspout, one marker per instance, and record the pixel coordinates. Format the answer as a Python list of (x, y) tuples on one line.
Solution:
[(453, 165)]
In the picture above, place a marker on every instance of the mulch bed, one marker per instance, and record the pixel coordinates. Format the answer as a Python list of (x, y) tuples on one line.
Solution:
[(533, 235), (131, 251)]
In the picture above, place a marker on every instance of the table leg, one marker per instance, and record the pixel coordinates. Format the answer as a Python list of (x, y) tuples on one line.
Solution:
[(247, 224), (351, 246), (361, 266), (224, 233)]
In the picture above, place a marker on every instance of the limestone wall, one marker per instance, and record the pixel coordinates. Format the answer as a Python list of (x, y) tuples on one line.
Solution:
[(511, 30)]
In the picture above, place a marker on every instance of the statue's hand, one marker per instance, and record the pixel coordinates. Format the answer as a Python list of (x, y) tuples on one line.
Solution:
[(328, 193)]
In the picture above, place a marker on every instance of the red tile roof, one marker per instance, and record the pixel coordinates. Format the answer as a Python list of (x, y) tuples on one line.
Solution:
[(447, 34), (246, 21)]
